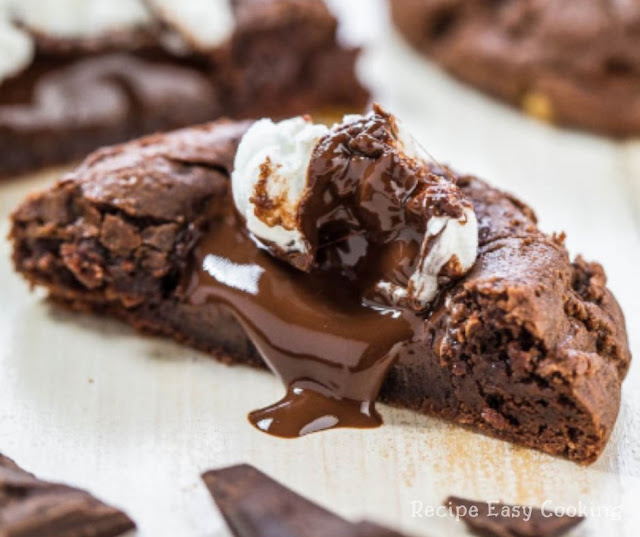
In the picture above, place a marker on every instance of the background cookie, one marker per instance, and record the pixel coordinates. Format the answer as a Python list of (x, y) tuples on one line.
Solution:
[(572, 62)]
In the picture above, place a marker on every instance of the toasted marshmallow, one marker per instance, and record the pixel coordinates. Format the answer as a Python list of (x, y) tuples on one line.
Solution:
[(203, 24), (80, 18), (270, 178), (16, 48)]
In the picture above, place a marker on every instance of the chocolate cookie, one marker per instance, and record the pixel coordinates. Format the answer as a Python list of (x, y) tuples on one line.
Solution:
[(571, 62), (526, 346), (279, 57)]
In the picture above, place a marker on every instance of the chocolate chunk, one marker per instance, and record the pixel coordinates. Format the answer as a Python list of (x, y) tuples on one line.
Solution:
[(254, 505), (503, 520), (31, 507), (360, 198), (374, 197)]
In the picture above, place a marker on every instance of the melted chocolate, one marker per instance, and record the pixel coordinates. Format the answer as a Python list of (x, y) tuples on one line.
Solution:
[(255, 505), (366, 207), (318, 322), (331, 350)]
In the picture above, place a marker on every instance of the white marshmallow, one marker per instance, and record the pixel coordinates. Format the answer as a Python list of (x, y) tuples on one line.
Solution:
[(80, 18), (286, 147), (204, 24), (16, 50), (61, 19), (445, 238), (453, 237)]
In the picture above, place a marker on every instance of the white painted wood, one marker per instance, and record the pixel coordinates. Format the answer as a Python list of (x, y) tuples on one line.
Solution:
[(136, 419)]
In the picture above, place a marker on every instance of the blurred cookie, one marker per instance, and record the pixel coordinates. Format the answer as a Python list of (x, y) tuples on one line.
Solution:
[(78, 75), (571, 62)]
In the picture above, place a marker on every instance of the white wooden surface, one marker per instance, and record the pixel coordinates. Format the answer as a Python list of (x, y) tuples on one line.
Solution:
[(137, 419)]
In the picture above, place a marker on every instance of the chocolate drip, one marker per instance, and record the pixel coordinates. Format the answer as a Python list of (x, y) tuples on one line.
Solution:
[(331, 350), (318, 318), (362, 179)]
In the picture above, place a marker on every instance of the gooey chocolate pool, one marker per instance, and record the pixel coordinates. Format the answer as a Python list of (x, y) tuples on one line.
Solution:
[(340, 271)]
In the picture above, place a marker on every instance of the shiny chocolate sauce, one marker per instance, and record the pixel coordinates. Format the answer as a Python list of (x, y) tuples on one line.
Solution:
[(330, 349), (315, 316)]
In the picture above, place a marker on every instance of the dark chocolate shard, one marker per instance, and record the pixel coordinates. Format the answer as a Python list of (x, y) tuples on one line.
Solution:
[(254, 505), (504, 520), (31, 507), (115, 40)]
